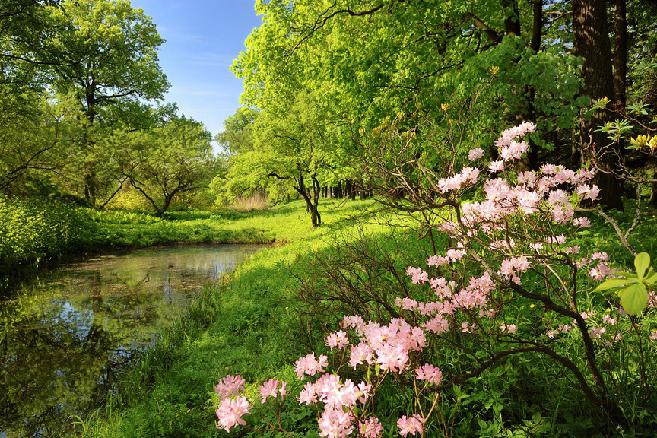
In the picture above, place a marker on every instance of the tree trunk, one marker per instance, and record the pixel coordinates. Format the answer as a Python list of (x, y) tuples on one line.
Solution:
[(90, 182), (537, 34), (620, 54), (311, 207), (592, 44), (512, 20)]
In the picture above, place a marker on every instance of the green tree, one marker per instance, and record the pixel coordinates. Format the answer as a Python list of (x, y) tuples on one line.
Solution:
[(167, 161), (103, 54)]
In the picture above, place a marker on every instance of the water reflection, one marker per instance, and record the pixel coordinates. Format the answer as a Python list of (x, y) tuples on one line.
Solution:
[(65, 337)]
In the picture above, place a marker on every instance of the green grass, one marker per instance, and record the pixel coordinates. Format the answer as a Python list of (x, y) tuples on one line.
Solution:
[(248, 324), (34, 233)]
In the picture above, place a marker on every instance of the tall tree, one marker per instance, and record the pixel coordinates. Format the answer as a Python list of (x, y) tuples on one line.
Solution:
[(106, 53), (620, 54), (593, 46)]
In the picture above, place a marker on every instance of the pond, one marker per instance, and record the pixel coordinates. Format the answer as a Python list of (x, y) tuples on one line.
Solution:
[(65, 336)]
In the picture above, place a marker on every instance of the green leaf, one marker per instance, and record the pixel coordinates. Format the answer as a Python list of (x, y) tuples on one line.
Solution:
[(634, 298), (613, 283), (641, 263), (651, 279)]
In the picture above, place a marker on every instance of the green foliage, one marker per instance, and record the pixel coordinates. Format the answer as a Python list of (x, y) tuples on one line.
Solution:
[(32, 231), (633, 287)]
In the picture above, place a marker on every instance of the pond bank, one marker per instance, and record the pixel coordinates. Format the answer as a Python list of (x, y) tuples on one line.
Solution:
[(70, 333), (247, 324)]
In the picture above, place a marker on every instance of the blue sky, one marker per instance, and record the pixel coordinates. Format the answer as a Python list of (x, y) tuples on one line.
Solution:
[(203, 37)]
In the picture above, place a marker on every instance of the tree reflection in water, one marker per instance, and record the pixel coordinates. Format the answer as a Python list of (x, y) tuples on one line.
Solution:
[(66, 336)]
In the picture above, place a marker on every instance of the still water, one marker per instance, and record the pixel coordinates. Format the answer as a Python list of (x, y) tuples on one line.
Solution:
[(65, 336)]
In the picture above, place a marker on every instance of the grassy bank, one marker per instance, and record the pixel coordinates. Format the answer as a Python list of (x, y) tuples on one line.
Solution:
[(34, 233), (248, 324)]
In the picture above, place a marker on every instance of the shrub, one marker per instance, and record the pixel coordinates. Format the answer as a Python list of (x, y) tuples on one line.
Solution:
[(32, 231), (513, 287)]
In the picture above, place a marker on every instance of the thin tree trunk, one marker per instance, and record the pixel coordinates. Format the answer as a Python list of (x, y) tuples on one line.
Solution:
[(620, 54), (537, 33)]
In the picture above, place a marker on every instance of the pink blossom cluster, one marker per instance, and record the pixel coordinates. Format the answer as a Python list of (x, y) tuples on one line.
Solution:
[(512, 267), (534, 192), (233, 405), (272, 388), (310, 365), (544, 199), (337, 340), (418, 276), (475, 154), (230, 386), (339, 399), (412, 425), (388, 346), (466, 177), (371, 428), (429, 373), (231, 411), (511, 134)]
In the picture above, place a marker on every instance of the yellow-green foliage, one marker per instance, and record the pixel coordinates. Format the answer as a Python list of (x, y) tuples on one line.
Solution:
[(31, 231)]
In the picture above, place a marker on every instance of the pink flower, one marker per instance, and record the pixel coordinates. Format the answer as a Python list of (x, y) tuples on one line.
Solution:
[(230, 386), (600, 256), (513, 133), (597, 332), (417, 275), (270, 389), (437, 325), (454, 255), (406, 303), (230, 412), (653, 335), (410, 425), (467, 176), (354, 322), (496, 166), (607, 319), (436, 261), (513, 266), (371, 428), (308, 395), (360, 353), (514, 150), (600, 272), (335, 423), (337, 340), (310, 365), (509, 328), (588, 192), (430, 373), (582, 222), (475, 154)]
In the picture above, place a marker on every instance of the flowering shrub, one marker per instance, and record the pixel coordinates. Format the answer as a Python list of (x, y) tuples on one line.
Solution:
[(514, 246)]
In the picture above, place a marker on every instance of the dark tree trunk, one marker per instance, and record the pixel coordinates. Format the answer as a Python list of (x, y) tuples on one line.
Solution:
[(512, 21), (90, 180), (592, 44), (311, 202), (620, 54), (537, 34)]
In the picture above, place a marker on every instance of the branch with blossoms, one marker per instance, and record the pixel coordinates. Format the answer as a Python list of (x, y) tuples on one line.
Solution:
[(513, 242)]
